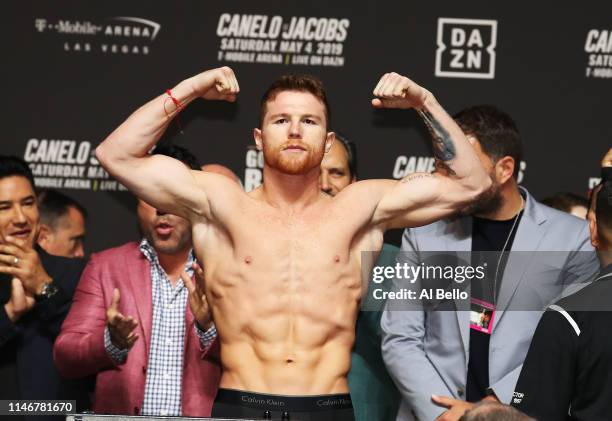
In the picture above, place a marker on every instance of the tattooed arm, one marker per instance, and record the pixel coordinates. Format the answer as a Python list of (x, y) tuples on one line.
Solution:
[(443, 147), (421, 198)]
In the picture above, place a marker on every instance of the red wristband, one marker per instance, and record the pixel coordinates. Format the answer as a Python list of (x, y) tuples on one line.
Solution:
[(178, 106), (176, 101)]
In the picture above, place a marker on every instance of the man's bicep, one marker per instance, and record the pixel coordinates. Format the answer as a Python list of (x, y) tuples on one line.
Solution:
[(418, 199), (166, 184)]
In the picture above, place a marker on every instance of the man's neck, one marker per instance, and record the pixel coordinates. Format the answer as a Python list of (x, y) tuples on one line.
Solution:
[(173, 264), (290, 192), (512, 203)]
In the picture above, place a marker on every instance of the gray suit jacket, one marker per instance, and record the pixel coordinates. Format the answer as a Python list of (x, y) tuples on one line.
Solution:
[(427, 352)]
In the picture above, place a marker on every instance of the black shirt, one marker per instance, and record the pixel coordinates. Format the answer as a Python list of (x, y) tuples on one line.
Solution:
[(487, 235), (26, 347), (567, 371)]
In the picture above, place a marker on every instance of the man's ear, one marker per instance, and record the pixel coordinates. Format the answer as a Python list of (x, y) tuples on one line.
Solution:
[(504, 169), (593, 232), (472, 139), (329, 141), (45, 235), (258, 139)]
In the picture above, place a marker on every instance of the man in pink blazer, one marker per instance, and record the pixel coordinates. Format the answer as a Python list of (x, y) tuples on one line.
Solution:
[(132, 323)]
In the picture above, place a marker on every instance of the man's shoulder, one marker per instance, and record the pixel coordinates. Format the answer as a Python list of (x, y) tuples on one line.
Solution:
[(365, 192), (53, 263), (362, 198), (559, 217), (562, 231), (596, 296)]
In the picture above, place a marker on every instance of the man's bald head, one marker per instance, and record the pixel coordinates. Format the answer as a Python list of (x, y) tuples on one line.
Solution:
[(220, 169), (491, 411)]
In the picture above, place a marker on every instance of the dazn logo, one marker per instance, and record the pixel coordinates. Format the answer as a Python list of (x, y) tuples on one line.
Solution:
[(466, 48)]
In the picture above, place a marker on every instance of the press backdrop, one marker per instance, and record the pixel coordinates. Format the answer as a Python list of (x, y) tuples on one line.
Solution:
[(74, 70)]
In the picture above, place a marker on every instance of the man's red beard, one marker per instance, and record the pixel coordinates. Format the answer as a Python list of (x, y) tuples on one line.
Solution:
[(294, 163)]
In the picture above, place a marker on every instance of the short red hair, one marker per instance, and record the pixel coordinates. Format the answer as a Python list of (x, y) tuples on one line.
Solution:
[(299, 83)]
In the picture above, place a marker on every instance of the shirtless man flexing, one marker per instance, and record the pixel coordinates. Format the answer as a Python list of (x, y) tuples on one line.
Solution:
[(283, 262)]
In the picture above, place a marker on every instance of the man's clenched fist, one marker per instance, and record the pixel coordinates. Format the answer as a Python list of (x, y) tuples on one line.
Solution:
[(217, 84), (397, 91)]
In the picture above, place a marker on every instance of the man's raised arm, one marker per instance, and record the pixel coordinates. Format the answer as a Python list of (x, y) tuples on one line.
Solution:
[(421, 198), (159, 180)]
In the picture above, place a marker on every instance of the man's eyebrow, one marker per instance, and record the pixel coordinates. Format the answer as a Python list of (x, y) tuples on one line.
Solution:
[(23, 199), (273, 116), (311, 116), (278, 115)]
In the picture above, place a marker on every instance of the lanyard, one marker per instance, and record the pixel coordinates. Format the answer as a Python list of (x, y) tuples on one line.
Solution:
[(503, 250)]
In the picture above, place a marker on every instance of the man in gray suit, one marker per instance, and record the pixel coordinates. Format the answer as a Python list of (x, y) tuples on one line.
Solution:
[(442, 361)]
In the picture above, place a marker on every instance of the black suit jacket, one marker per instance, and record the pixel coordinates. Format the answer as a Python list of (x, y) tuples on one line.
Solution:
[(26, 347)]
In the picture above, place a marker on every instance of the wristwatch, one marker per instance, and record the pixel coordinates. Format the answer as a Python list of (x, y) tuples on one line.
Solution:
[(49, 289)]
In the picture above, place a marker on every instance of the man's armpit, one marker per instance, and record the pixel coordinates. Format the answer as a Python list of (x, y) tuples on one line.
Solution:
[(442, 168)]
